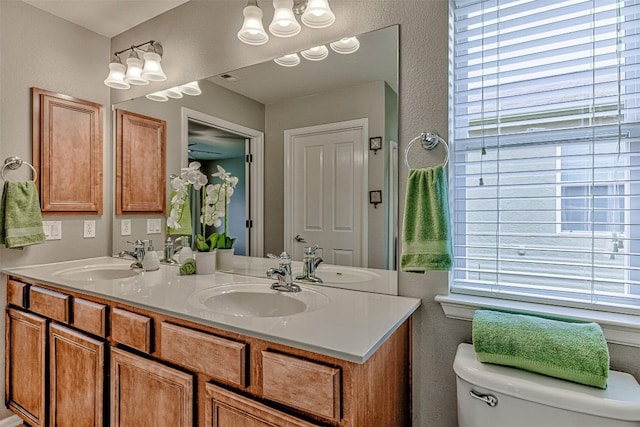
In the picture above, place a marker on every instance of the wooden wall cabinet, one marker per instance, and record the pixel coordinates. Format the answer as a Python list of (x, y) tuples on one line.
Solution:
[(67, 146), (140, 164)]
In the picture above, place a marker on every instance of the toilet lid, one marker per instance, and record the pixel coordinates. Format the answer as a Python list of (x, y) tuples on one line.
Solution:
[(620, 401)]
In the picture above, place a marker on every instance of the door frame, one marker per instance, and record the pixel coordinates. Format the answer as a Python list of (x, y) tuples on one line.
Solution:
[(289, 135), (256, 168)]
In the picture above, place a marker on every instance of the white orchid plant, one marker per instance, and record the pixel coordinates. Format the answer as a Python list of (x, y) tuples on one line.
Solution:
[(215, 199)]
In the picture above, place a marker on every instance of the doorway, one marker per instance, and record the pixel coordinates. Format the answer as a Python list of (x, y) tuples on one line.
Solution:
[(213, 141), (326, 179)]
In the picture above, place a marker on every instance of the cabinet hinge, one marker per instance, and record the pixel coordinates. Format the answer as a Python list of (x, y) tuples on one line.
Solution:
[(249, 158), (249, 223)]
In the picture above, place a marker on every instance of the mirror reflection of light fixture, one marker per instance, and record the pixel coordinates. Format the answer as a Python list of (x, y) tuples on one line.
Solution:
[(138, 72), (284, 23), (317, 53), (346, 45), (192, 89), (176, 92), (290, 60), (252, 31), (318, 14), (158, 96)]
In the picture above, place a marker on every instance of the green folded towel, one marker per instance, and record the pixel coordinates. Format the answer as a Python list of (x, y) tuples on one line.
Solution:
[(426, 231), (188, 267), (184, 217), (20, 216), (572, 351)]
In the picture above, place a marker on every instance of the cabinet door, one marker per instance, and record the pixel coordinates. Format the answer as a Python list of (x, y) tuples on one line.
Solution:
[(76, 379), (145, 393), (140, 164), (26, 338), (228, 409)]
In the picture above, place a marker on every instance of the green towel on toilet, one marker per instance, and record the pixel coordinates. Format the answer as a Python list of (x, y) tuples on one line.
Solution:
[(20, 216), (426, 231), (576, 352)]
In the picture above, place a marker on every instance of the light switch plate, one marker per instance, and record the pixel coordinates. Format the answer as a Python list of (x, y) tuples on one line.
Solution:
[(154, 226), (52, 230), (89, 229), (125, 227)]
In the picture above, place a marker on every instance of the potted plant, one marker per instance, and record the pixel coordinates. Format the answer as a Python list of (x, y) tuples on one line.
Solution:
[(215, 205)]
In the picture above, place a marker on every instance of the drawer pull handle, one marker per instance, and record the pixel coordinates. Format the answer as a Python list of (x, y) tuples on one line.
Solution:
[(489, 399)]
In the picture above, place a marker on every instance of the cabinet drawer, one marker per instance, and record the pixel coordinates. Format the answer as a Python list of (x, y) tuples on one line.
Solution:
[(90, 316), (17, 293), (305, 385), (225, 408), (220, 358), (131, 329), (51, 304)]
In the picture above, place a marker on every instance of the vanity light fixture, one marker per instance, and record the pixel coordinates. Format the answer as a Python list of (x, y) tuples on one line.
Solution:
[(346, 45), (317, 53), (138, 72), (252, 31), (284, 23), (318, 14), (314, 14), (290, 60)]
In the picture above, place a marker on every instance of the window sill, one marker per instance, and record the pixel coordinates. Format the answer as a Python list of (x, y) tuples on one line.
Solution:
[(618, 328)]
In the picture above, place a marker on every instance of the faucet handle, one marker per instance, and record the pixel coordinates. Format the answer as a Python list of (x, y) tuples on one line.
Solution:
[(137, 244), (284, 258), (311, 250)]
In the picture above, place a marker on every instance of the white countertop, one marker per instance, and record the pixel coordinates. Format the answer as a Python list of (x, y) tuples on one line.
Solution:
[(351, 326)]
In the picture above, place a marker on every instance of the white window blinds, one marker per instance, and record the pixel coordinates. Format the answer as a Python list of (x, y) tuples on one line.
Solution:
[(546, 163)]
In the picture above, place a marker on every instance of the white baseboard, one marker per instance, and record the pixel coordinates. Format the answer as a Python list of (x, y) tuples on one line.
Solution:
[(11, 421)]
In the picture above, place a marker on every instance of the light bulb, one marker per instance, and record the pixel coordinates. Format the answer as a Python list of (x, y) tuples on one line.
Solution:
[(158, 96), (192, 89), (318, 14), (115, 79), (134, 70), (252, 31), (284, 23), (152, 69), (290, 60), (174, 92), (317, 53), (346, 45)]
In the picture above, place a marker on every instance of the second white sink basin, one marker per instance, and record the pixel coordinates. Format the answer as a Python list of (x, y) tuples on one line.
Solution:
[(256, 300), (92, 273)]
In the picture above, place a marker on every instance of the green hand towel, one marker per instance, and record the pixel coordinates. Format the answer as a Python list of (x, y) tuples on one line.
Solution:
[(188, 267), (184, 217), (572, 351), (20, 217), (426, 232)]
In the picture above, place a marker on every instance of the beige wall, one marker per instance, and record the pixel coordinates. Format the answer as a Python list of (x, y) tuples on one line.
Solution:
[(356, 102), (200, 40)]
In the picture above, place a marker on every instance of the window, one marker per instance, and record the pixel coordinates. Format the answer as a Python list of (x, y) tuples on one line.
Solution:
[(545, 170)]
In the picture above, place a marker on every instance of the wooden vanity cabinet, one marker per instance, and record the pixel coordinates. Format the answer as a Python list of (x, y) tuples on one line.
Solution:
[(165, 371)]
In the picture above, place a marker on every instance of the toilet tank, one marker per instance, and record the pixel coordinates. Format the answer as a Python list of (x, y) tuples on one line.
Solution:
[(524, 399)]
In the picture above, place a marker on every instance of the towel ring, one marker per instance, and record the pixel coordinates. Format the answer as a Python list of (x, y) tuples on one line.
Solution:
[(428, 141), (14, 163)]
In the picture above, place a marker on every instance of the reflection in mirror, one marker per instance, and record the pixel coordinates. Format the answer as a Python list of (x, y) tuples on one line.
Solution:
[(317, 114)]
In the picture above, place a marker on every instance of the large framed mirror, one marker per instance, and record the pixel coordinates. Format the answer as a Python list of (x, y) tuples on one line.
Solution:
[(281, 118)]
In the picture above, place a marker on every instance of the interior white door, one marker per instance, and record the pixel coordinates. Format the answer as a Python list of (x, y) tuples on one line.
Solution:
[(328, 179)]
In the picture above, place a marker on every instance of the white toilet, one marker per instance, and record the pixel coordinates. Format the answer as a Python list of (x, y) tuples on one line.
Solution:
[(499, 396)]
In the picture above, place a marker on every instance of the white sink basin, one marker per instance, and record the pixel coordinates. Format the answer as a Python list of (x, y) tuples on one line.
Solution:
[(256, 300), (90, 273), (344, 275)]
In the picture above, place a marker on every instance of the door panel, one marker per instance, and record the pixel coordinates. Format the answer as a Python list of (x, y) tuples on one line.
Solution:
[(325, 202)]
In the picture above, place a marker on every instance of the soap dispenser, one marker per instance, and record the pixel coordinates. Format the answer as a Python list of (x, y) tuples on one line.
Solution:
[(151, 260)]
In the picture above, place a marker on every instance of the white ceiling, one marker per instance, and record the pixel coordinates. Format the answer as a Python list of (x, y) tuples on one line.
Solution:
[(106, 17)]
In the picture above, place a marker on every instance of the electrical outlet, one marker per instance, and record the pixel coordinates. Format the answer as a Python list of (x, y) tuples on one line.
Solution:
[(125, 227), (154, 226), (89, 229), (52, 230)]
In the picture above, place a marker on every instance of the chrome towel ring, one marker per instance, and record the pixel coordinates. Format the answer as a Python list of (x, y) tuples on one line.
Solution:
[(14, 163), (428, 141)]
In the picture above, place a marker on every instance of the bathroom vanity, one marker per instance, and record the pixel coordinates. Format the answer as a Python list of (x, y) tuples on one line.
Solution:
[(91, 342)]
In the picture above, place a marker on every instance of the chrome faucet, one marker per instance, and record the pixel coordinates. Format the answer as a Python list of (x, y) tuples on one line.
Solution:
[(137, 253), (283, 274), (310, 262), (169, 251)]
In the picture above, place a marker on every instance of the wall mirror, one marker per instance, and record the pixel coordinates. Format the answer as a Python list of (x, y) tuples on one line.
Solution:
[(318, 116)]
